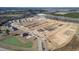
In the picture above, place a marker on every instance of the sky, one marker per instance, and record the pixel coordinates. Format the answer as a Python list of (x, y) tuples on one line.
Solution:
[(39, 3)]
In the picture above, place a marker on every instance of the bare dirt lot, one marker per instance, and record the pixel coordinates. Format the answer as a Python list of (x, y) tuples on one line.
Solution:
[(73, 45)]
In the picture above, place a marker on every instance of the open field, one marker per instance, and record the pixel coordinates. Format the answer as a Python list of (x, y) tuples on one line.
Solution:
[(72, 15), (16, 42)]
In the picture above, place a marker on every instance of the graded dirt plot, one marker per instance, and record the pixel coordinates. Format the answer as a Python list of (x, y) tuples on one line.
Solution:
[(56, 33), (61, 37), (72, 46)]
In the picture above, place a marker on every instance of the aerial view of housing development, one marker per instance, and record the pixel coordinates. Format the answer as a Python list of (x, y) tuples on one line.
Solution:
[(39, 29)]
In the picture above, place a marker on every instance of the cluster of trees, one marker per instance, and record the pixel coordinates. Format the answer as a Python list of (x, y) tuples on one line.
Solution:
[(6, 31)]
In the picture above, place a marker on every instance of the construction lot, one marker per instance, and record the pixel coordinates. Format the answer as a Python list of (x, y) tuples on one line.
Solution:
[(51, 34)]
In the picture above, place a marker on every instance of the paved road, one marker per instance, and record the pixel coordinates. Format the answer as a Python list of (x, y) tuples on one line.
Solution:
[(3, 49), (39, 44)]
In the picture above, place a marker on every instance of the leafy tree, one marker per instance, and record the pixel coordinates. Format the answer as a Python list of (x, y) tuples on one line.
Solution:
[(7, 31), (0, 31)]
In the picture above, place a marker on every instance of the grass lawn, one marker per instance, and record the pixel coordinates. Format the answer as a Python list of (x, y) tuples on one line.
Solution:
[(15, 42)]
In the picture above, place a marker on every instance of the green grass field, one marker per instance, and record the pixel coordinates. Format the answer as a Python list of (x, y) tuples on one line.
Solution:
[(13, 41), (72, 15)]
